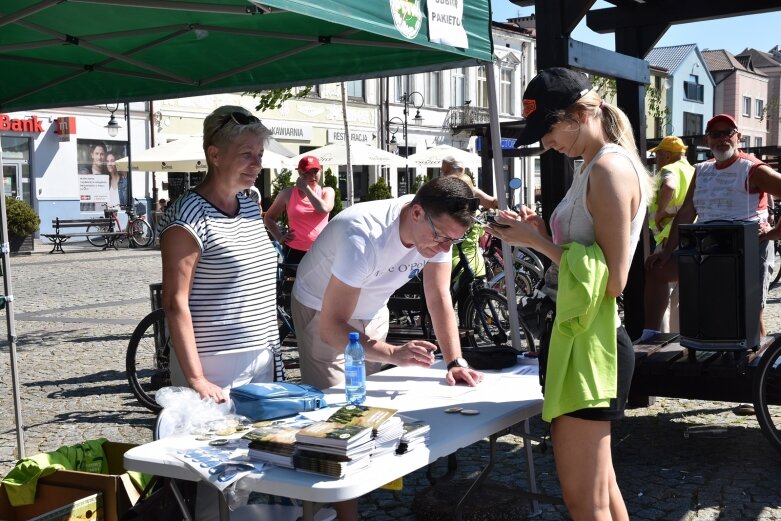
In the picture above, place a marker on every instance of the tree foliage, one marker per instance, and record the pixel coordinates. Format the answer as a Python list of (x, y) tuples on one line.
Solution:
[(379, 190), (333, 182), (275, 98), (282, 181), (416, 184)]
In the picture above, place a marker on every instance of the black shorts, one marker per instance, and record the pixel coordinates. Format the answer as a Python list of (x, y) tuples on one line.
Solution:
[(626, 368)]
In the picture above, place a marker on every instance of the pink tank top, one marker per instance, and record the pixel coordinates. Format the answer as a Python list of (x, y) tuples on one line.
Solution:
[(305, 223)]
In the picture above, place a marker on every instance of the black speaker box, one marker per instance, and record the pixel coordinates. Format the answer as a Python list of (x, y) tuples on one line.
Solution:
[(719, 286)]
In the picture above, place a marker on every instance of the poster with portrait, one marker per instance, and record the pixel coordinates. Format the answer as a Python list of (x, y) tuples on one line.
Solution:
[(100, 184)]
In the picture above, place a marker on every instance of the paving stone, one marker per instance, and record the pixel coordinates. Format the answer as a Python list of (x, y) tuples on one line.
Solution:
[(75, 313)]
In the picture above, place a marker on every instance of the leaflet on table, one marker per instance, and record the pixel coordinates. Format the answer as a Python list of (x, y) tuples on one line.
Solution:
[(220, 466)]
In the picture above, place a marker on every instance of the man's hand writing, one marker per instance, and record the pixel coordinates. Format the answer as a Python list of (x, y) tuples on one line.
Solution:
[(415, 352)]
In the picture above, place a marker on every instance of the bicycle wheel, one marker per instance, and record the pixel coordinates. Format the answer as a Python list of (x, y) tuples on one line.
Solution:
[(767, 393), (97, 240), (488, 317), (524, 286), (777, 264), (147, 359), (140, 233)]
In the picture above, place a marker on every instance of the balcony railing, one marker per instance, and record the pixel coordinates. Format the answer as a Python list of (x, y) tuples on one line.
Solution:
[(465, 115)]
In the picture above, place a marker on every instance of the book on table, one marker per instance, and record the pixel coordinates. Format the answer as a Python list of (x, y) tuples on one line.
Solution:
[(415, 434), (332, 434), (333, 465), (275, 441)]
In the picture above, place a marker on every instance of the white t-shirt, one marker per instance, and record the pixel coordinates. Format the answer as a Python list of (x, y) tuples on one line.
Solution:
[(362, 248)]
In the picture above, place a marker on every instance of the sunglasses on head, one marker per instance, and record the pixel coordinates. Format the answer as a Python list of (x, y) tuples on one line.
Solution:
[(239, 118), (719, 134)]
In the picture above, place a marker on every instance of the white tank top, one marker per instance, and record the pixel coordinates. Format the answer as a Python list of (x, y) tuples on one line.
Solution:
[(572, 222)]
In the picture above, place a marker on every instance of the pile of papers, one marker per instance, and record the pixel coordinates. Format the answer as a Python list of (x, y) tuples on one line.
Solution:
[(415, 433)]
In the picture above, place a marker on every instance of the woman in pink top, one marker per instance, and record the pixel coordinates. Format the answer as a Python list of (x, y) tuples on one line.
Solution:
[(307, 205)]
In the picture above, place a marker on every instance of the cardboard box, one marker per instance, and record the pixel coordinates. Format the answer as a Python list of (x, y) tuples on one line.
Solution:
[(118, 491), (89, 508), (49, 498)]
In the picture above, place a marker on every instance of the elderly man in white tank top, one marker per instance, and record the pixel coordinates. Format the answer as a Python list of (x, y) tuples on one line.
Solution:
[(731, 186)]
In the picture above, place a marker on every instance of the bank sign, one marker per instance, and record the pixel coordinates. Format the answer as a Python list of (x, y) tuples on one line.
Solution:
[(31, 124)]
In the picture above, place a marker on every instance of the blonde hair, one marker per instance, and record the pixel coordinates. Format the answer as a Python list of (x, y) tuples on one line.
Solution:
[(219, 128), (615, 126)]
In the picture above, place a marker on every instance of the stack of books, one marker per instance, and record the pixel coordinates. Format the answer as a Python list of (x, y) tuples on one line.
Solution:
[(415, 434), (275, 441), (346, 441)]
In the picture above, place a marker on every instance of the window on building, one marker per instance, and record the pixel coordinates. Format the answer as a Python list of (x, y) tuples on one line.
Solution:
[(458, 88), (433, 90), (692, 124), (506, 90), (482, 87), (760, 108), (757, 141), (747, 106), (745, 142), (354, 89), (399, 85), (693, 90)]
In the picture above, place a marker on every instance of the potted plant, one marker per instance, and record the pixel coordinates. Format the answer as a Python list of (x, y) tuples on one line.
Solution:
[(22, 223)]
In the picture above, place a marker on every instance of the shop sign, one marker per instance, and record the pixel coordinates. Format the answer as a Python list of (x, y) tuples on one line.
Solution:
[(291, 131), (65, 127), (31, 124), (357, 136)]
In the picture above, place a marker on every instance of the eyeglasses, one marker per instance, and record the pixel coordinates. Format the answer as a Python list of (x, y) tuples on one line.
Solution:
[(720, 134), (441, 239)]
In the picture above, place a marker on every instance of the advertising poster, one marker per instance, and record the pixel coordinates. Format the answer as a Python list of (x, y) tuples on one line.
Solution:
[(100, 184)]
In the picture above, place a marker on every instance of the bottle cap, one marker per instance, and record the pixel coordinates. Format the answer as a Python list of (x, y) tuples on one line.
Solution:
[(353, 336)]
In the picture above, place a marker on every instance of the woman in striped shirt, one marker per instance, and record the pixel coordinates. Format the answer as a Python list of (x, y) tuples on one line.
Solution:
[(219, 266)]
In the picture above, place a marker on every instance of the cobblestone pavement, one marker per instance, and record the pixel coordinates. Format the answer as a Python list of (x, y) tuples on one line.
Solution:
[(75, 313)]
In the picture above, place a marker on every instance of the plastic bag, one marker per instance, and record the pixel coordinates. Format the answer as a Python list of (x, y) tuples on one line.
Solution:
[(184, 412)]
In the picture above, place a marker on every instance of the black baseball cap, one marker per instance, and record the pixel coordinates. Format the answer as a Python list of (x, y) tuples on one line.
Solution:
[(551, 90)]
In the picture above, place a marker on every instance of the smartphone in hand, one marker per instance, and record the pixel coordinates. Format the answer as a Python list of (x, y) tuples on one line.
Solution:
[(491, 220)]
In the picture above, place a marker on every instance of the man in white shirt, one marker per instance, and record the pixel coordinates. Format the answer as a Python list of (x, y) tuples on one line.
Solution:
[(365, 254)]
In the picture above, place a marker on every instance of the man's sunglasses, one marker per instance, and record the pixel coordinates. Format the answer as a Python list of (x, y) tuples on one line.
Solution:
[(720, 134)]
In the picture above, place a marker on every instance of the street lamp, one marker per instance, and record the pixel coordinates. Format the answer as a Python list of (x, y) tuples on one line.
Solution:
[(408, 99), (112, 127)]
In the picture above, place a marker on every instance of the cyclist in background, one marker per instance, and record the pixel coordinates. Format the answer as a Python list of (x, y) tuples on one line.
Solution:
[(471, 247)]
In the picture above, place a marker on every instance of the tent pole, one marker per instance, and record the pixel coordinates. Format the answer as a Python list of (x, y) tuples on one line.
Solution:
[(5, 250), (501, 193)]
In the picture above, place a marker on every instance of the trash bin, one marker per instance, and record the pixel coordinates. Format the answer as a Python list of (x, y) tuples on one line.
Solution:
[(156, 295)]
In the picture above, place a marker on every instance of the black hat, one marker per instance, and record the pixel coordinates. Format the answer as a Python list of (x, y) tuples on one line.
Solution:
[(551, 90)]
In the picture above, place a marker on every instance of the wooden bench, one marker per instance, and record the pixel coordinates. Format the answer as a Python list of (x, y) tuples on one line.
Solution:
[(103, 227)]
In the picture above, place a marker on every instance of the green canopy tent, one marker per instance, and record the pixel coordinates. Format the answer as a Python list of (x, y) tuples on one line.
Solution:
[(58, 53)]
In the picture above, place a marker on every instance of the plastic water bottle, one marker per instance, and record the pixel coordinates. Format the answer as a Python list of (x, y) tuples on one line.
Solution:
[(354, 371)]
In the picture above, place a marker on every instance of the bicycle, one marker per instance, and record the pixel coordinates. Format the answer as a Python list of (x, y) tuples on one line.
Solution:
[(138, 232), (149, 349), (529, 268), (148, 355), (484, 311)]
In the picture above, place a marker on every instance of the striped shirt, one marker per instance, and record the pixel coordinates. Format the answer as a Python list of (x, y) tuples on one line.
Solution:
[(233, 298)]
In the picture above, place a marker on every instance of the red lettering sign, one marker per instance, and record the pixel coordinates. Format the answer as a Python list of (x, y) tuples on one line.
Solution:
[(31, 124)]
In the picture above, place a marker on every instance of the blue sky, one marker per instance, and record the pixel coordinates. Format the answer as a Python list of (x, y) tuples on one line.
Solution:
[(733, 34)]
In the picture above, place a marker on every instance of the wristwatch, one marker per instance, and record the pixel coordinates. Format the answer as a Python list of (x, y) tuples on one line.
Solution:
[(458, 362)]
